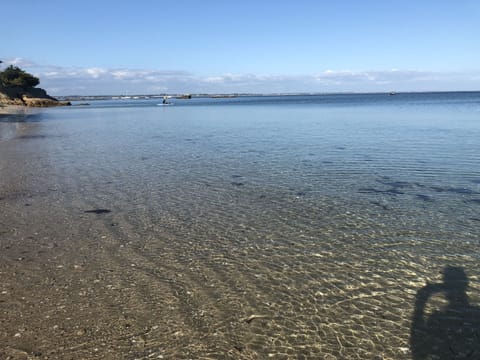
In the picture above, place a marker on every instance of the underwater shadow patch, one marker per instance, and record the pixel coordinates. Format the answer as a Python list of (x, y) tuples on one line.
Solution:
[(450, 332)]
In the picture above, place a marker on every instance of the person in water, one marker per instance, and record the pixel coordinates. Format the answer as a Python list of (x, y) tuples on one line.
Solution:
[(164, 100), (451, 333)]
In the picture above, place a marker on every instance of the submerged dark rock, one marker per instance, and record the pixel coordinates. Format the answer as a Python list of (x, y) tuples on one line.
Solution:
[(98, 211)]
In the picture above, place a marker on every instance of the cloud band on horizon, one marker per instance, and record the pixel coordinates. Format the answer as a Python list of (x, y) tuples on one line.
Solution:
[(59, 80)]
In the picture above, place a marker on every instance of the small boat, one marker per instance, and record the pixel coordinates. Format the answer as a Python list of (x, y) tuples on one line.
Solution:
[(392, 93), (165, 101)]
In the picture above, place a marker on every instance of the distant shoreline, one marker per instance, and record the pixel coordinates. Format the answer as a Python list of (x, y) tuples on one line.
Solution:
[(231, 95)]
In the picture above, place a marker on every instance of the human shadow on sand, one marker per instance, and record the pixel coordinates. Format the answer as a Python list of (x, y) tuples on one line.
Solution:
[(450, 333)]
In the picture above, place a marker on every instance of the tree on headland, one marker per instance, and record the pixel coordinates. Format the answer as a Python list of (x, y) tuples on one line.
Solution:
[(14, 76), (17, 87)]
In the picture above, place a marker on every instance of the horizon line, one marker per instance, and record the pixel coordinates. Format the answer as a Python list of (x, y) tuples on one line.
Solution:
[(306, 93)]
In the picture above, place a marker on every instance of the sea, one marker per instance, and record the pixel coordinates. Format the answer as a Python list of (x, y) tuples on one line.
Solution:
[(284, 227)]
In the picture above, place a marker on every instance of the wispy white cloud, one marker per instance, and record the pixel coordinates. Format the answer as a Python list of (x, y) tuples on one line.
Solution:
[(95, 72), (383, 77), (97, 80)]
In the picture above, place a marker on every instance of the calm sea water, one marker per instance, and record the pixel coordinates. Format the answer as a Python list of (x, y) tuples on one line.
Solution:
[(289, 226)]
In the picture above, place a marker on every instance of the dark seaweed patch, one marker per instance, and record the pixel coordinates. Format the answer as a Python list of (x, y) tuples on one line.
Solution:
[(395, 184), (462, 191), (369, 191), (424, 197), (394, 191), (377, 203), (29, 137), (98, 211), (377, 191)]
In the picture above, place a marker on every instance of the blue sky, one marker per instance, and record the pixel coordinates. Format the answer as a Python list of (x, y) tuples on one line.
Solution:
[(189, 46)]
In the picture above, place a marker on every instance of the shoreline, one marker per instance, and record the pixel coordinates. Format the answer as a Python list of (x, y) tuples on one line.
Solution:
[(142, 96), (12, 109)]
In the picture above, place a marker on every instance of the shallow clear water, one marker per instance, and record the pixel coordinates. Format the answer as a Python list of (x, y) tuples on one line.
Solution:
[(255, 227)]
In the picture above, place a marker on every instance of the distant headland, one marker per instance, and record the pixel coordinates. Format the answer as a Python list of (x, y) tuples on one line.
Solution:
[(18, 88)]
